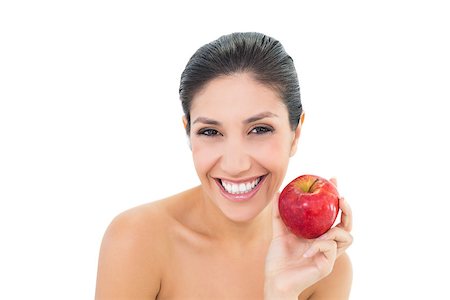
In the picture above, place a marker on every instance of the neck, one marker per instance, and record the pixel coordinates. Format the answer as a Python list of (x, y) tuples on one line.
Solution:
[(233, 233)]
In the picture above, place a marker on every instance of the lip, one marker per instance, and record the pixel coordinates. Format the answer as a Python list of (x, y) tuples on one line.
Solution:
[(240, 181), (241, 197)]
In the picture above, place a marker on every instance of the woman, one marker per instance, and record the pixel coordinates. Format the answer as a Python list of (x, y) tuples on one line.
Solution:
[(224, 239)]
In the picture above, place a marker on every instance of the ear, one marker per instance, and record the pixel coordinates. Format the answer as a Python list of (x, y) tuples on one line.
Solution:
[(297, 135), (185, 123)]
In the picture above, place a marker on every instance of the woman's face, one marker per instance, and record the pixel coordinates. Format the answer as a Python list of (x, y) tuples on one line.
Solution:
[(241, 143)]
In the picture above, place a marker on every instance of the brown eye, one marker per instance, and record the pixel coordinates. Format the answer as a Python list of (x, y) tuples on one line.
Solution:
[(261, 130), (208, 132)]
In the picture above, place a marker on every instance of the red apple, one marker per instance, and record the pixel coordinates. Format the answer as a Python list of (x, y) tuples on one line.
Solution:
[(309, 205)]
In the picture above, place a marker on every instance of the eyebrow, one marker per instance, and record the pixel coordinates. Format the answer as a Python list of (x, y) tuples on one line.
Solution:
[(263, 115)]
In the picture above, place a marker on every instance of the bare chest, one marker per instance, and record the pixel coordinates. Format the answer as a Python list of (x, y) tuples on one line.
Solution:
[(213, 273)]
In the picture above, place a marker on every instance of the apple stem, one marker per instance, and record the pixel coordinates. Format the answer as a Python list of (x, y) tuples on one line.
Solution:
[(317, 179)]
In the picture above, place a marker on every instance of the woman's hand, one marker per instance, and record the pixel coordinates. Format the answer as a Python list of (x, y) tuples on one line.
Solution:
[(341, 233), (294, 264)]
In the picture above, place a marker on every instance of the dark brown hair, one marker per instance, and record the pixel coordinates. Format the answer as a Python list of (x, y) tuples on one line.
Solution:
[(262, 56)]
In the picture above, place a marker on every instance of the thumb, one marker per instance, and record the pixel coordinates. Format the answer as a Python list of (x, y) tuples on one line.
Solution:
[(278, 227)]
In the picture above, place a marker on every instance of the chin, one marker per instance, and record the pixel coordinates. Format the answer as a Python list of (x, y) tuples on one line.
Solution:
[(243, 212)]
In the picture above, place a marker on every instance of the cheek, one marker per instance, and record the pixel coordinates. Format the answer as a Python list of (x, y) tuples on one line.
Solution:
[(204, 156), (273, 153)]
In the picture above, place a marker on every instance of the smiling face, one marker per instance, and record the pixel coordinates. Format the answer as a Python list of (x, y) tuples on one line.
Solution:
[(241, 142)]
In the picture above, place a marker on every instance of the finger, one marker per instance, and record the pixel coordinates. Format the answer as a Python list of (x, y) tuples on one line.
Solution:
[(323, 253), (327, 247), (342, 238), (278, 227), (346, 215), (326, 255), (337, 234)]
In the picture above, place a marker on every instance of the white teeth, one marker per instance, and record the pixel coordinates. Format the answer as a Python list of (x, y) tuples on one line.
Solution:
[(240, 188)]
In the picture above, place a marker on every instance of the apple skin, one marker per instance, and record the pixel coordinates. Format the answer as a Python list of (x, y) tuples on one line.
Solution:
[(309, 205)]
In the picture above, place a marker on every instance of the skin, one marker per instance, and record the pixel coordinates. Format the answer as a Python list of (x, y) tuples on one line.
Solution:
[(200, 245)]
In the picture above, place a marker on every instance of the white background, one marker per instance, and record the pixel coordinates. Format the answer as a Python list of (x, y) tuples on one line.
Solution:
[(90, 125)]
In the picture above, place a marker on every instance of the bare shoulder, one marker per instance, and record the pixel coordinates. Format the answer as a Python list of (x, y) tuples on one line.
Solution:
[(337, 284), (134, 251)]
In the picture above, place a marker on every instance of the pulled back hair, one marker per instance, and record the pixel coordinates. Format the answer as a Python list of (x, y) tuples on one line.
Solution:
[(243, 52)]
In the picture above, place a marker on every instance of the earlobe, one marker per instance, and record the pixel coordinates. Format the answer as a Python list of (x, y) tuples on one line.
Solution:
[(185, 123), (297, 135)]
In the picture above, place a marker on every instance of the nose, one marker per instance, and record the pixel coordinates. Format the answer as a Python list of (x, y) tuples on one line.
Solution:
[(235, 160)]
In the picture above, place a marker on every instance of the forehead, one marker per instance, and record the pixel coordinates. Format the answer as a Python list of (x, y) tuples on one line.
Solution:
[(238, 95)]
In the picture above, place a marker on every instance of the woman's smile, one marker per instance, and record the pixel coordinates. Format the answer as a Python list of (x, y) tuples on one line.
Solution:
[(241, 190)]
